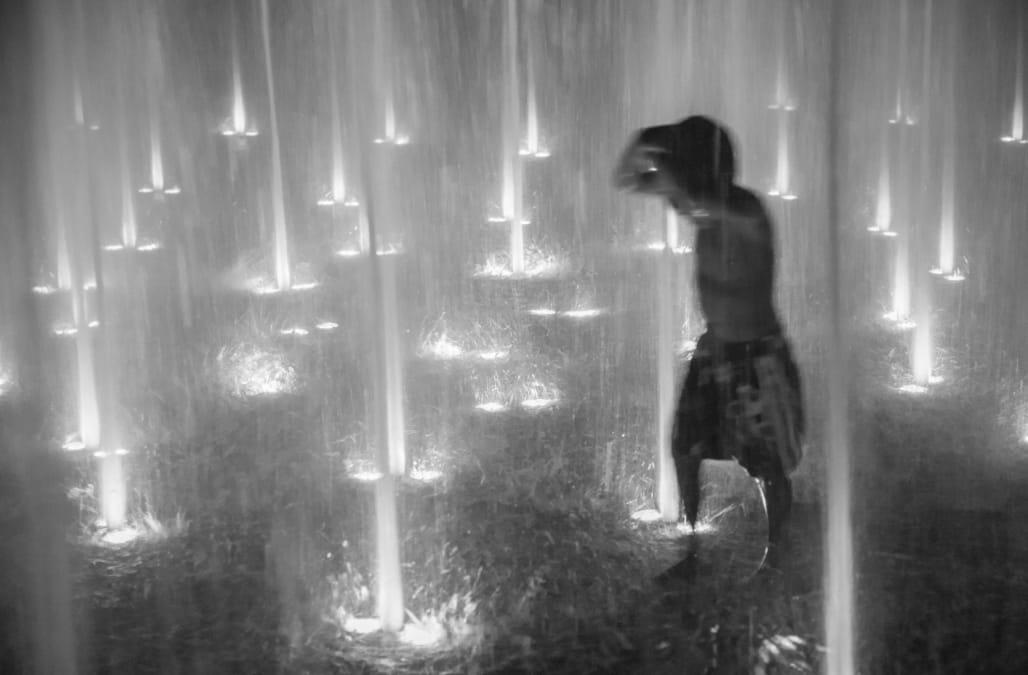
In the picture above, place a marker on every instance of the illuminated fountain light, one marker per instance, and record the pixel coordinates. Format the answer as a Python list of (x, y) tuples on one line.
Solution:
[(425, 475), (248, 371), (899, 322), (397, 140), (332, 198), (326, 326), (543, 311), (539, 403), (442, 348), (121, 535), (477, 342), (266, 286), (535, 265), (584, 313), (298, 331), (647, 516), (504, 220), (492, 355), (906, 120), (914, 388), (65, 330), (44, 289), (381, 250), (682, 527), (160, 191), (702, 527), (93, 324), (422, 634), (362, 625), (141, 246), (955, 275), (119, 452), (660, 246), (73, 444), (524, 385)]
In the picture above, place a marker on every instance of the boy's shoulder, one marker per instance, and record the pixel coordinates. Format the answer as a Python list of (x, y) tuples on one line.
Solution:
[(745, 202)]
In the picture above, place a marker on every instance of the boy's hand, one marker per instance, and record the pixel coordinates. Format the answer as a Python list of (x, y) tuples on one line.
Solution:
[(643, 168)]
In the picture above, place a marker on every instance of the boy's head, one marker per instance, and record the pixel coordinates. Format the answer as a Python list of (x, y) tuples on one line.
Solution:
[(699, 154)]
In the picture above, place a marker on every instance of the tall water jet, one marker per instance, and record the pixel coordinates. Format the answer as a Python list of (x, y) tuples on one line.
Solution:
[(338, 190), (782, 187), (883, 197), (839, 568), (382, 67), (668, 499), (513, 169), (154, 91), (237, 123), (901, 113), (533, 144), (129, 225), (62, 253), (113, 491), (947, 216), (922, 350), (388, 432), (901, 279), (783, 96), (388, 412), (1017, 112), (283, 271)]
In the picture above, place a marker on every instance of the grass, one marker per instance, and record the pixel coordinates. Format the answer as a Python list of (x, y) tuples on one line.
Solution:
[(523, 558)]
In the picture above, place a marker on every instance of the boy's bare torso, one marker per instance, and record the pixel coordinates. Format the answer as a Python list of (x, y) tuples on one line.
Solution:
[(735, 269)]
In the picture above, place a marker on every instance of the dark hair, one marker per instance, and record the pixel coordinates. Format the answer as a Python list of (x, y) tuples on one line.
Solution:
[(701, 155)]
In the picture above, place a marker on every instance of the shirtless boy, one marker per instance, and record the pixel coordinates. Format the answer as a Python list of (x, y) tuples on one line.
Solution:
[(741, 397)]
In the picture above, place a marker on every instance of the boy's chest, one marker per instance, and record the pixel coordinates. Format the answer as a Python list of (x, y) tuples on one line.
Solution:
[(718, 256)]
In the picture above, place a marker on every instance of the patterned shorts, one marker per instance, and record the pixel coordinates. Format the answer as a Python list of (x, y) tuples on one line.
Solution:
[(742, 400)]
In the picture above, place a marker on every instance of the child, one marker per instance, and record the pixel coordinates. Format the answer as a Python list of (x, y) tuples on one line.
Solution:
[(741, 398)]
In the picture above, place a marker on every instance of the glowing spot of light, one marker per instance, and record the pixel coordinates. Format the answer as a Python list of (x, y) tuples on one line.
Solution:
[(426, 475), (120, 536)]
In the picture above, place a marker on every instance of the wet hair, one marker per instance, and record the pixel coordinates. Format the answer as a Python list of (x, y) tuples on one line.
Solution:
[(701, 155)]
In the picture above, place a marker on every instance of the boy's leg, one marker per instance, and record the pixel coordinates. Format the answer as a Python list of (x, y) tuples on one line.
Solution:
[(696, 430), (688, 469), (778, 495)]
